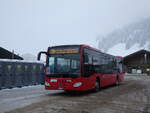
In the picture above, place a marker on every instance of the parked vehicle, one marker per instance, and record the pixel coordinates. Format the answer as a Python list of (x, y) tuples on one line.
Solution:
[(80, 68)]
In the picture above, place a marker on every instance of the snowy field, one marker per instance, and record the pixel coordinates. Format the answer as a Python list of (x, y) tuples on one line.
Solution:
[(19, 97)]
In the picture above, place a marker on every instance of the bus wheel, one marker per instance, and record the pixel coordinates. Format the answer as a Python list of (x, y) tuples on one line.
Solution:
[(97, 85)]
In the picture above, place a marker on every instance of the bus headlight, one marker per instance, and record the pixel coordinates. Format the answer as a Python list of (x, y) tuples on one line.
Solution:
[(78, 84), (47, 84)]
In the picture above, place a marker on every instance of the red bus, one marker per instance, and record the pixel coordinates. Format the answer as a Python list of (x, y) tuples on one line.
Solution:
[(80, 68)]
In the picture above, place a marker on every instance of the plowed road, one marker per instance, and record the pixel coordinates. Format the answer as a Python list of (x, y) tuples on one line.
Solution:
[(133, 96)]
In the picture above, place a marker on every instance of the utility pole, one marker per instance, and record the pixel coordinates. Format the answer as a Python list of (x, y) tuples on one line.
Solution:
[(145, 57), (12, 54)]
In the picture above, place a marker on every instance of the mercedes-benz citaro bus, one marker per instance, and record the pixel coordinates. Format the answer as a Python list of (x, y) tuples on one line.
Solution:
[(80, 68)]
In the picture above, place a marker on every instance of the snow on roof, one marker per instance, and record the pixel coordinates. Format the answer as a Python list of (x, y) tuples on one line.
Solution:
[(21, 61)]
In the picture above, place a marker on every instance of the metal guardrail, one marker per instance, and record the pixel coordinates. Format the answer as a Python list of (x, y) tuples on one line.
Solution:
[(19, 74)]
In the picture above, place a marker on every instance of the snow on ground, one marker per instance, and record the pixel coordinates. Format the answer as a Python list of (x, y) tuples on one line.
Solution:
[(133, 96), (120, 49), (19, 97)]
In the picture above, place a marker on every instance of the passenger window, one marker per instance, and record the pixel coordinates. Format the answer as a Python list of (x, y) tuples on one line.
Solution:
[(86, 58), (74, 64)]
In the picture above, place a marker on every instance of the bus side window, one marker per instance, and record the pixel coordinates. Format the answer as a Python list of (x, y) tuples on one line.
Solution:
[(88, 65), (86, 58), (88, 70)]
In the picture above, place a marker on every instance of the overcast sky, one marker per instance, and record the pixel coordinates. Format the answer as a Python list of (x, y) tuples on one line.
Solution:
[(28, 26)]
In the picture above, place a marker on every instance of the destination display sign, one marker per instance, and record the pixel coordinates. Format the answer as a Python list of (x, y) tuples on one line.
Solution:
[(64, 51)]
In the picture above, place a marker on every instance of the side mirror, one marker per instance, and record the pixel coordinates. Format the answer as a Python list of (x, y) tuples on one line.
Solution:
[(39, 55)]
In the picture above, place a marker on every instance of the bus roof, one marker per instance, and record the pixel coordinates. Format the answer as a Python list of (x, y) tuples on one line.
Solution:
[(80, 45), (75, 45)]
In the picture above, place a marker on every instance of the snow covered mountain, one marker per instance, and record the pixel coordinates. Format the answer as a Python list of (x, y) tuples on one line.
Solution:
[(127, 40)]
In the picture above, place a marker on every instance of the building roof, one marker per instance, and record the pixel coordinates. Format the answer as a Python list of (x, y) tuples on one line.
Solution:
[(140, 52), (5, 54)]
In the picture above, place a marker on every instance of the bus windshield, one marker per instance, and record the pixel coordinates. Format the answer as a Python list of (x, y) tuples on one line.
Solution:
[(66, 65)]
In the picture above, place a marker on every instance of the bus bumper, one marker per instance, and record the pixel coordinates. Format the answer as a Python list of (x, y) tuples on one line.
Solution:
[(68, 84)]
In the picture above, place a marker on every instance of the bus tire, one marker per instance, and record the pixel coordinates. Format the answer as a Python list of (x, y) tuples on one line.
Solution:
[(97, 85)]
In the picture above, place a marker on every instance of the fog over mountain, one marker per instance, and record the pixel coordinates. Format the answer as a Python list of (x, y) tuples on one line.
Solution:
[(128, 39), (29, 57), (30, 26)]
